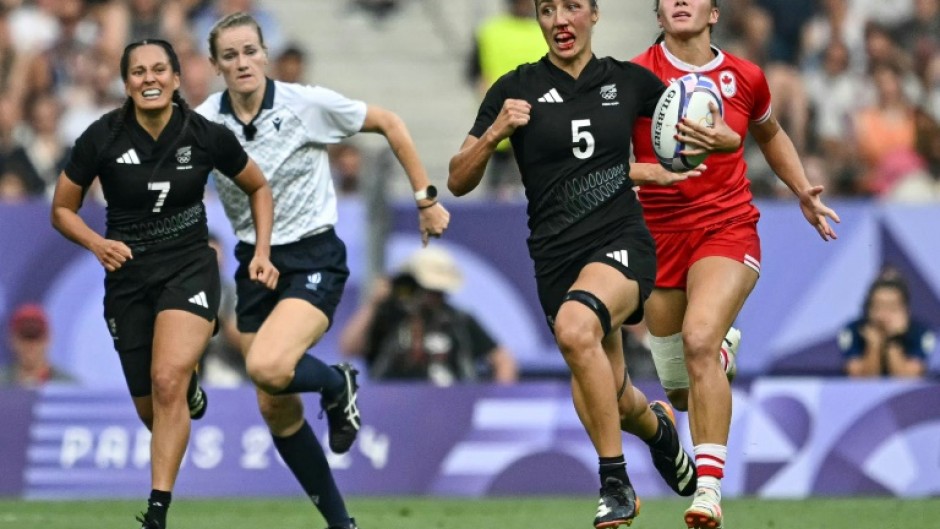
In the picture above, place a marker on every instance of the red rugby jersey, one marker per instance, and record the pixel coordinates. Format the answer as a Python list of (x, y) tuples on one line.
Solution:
[(723, 191)]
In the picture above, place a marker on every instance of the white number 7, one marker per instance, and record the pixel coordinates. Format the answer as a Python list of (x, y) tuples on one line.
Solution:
[(164, 189)]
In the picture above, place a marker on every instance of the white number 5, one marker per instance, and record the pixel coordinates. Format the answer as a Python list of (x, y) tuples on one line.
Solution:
[(164, 189), (578, 135)]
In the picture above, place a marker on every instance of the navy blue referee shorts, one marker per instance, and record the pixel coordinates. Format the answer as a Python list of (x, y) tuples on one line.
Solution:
[(313, 269)]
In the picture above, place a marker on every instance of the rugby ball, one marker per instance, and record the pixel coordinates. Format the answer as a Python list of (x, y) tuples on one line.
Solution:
[(686, 97)]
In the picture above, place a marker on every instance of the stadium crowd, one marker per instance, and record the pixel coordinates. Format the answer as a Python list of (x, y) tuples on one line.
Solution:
[(856, 81)]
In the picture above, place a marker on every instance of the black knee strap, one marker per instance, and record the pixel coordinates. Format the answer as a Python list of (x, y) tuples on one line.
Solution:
[(592, 302)]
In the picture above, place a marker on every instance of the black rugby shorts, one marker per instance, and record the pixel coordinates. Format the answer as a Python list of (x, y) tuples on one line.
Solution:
[(138, 291), (632, 253)]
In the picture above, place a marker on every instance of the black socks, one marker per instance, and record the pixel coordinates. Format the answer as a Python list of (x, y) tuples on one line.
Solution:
[(305, 458)]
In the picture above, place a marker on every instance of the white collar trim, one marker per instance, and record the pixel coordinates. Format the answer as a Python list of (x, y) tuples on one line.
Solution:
[(686, 67)]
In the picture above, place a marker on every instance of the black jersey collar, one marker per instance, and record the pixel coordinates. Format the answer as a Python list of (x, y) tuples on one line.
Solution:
[(590, 68), (170, 130), (225, 105)]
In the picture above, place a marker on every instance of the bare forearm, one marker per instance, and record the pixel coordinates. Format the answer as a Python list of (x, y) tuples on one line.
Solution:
[(402, 145), (468, 166), (70, 225), (785, 162), (262, 213)]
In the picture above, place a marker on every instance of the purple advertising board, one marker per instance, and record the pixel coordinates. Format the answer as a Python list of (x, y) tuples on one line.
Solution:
[(791, 438), (808, 289)]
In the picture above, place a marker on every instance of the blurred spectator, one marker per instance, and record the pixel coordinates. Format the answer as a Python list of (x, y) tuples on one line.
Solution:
[(148, 19), (346, 167), (922, 184), (197, 84), (103, 93), (207, 17), (33, 25), (153, 19), (29, 343), (290, 65), (193, 8), (882, 50), (500, 44), (836, 23), (61, 66), (13, 187), (919, 35), (886, 11), (13, 62), (886, 340), (409, 331), (885, 133), (789, 17), (932, 85), (834, 91), (46, 151), (222, 364), (13, 157)]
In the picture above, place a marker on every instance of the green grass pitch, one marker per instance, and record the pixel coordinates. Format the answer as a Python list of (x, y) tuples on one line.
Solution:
[(434, 513)]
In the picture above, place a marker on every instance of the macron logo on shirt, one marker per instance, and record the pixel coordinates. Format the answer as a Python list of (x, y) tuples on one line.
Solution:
[(130, 157), (551, 96)]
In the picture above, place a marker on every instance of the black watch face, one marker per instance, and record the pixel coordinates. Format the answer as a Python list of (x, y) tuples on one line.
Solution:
[(432, 192)]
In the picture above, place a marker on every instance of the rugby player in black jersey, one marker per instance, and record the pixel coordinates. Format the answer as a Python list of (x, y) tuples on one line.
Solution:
[(153, 157), (570, 117)]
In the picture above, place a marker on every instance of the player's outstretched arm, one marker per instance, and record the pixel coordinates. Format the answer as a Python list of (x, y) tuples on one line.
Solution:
[(433, 217), (782, 157)]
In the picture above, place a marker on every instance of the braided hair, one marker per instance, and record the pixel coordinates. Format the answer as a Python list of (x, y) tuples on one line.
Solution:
[(128, 105)]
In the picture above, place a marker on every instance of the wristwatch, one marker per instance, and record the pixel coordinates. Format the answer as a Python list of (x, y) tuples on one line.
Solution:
[(429, 192)]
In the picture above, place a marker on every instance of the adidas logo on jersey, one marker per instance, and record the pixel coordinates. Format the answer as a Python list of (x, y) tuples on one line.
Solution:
[(551, 97), (620, 256), (130, 157), (200, 299)]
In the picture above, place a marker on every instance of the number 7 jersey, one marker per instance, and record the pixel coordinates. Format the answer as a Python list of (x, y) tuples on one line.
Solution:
[(154, 187), (574, 154)]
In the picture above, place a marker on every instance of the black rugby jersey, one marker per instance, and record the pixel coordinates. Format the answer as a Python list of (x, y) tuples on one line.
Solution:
[(574, 154), (154, 196)]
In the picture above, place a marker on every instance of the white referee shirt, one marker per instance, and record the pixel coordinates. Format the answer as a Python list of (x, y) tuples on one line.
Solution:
[(294, 126)]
